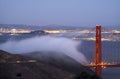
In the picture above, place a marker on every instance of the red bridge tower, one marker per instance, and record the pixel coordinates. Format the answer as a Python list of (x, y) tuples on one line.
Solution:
[(98, 52)]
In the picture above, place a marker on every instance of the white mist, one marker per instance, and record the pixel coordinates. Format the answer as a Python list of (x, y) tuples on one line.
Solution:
[(59, 45)]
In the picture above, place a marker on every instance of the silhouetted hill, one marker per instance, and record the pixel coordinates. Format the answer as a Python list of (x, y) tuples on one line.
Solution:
[(35, 27), (63, 62), (11, 69), (51, 27), (20, 67)]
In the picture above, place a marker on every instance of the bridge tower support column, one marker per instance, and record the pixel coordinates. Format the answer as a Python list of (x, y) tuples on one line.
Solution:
[(98, 52)]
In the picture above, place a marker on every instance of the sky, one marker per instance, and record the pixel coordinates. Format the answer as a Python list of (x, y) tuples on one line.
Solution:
[(60, 12)]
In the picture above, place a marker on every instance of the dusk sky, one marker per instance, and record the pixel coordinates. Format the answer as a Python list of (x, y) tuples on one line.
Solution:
[(61, 12)]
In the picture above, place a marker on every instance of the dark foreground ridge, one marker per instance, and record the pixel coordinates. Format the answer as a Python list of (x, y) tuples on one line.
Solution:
[(19, 67)]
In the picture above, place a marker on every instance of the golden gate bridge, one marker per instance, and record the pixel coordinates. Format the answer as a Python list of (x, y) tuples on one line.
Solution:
[(98, 63)]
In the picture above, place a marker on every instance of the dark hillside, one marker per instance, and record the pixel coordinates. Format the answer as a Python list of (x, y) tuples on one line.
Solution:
[(18, 67)]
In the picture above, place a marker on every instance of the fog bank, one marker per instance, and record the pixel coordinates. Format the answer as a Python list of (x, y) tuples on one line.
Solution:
[(58, 45)]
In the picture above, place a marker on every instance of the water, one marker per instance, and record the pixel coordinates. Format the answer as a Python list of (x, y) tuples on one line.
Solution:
[(110, 52)]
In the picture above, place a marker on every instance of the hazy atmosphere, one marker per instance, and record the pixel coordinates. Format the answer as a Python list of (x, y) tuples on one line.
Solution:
[(59, 39), (61, 12)]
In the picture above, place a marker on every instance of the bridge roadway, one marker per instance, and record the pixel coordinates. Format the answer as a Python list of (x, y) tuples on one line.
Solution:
[(104, 65)]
